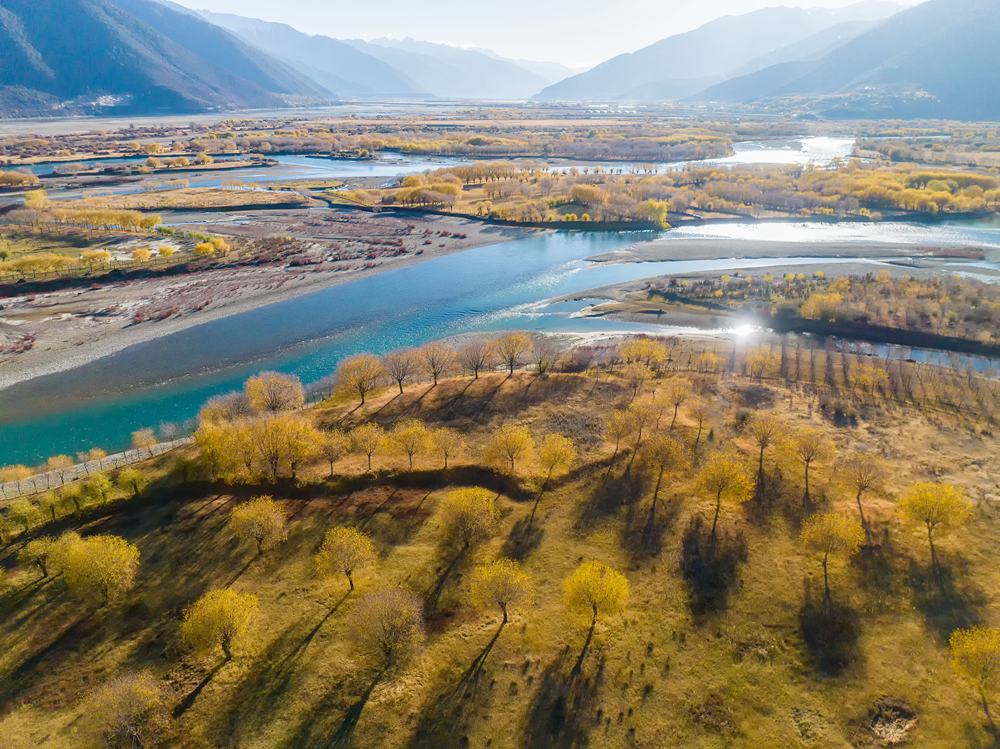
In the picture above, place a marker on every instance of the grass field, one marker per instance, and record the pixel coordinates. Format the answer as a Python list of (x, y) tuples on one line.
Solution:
[(738, 669)]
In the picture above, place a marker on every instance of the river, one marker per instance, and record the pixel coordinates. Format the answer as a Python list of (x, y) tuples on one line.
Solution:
[(498, 287)]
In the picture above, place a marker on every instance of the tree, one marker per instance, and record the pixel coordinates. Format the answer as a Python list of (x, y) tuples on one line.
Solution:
[(636, 375), (832, 534), (367, 439), (97, 569), (410, 437), (360, 374), (388, 626), (24, 513), (260, 520), (277, 443), (676, 394), (511, 349), (437, 359), (475, 355), (131, 480), (97, 488), (343, 552), (469, 516), (723, 477), (144, 439), (400, 366), (764, 430), (334, 446), (221, 618), (648, 351), (864, 473), (555, 456), (975, 655), (36, 552), (127, 712), (810, 447), (447, 443), (508, 445), (594, 589), (939, 508), (273, 392), (661, 453), (544, 353), (50, 503), (701, 412), (617, 428), (502, 583)]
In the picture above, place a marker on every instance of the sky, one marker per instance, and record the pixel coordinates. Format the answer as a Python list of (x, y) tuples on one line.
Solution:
[(578, 33)]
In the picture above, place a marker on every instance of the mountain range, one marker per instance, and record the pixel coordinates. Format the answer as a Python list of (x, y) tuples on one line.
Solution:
[(936, 59), (687, 63)]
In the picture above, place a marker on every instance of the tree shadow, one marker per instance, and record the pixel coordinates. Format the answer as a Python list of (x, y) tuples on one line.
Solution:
[(189, 699), (447, 715), (644, 530), (272, 676), (710, 570), (562, 710), (459, 559), (948, 600), (608, 498), (830, 631), (524, 538), (13, 684)]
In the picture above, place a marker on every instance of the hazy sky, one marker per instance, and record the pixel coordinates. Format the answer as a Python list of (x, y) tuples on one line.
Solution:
[(574, 32)]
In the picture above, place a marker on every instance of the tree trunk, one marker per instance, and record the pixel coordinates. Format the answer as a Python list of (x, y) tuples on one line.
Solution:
[(805, 496), (578, 667), (934, 559), (715, 518), (350, 580), (538, 499), (861, 514), (826, 580), (674, 420), (697, 439)]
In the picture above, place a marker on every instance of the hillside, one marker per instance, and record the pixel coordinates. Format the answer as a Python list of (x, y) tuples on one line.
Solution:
[(453, 72), (337, 65), (938, 59), (682, 65), (141, 56), (415, 588)]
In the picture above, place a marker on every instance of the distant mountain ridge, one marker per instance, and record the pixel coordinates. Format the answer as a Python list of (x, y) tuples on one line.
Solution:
[(131, 56), (937, 59), (339, 66), (684, 64)]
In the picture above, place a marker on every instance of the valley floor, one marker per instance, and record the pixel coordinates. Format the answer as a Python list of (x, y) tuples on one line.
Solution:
[(74, 326)]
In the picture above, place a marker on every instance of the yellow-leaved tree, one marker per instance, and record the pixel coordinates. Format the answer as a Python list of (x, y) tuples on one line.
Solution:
[(938, 508), (556, 456), (344, 551), (832, 534), (975, 655), (96, 569), (507, 446), (594, 589), (261, 520), (221, 618), (723, 478)]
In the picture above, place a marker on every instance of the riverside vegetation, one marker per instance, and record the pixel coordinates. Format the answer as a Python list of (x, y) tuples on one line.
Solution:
[(502, 543)]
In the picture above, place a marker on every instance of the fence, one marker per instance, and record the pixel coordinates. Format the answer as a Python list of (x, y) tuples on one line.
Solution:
[(44, 482)]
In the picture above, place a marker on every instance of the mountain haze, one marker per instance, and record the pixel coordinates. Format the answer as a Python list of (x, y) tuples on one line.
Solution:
[(337, 65), (454, 72), (938, 59), (681, 65)]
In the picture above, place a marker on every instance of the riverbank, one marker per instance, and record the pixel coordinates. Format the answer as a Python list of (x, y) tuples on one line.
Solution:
[(72, 327)]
